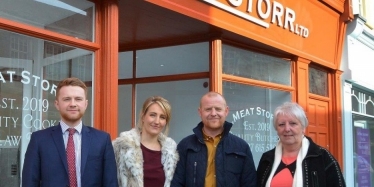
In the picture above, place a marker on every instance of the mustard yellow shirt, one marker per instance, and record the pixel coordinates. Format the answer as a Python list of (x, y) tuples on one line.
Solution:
[(211, 144)]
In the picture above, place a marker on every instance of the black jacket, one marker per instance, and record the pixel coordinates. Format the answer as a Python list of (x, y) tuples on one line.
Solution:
[(234, 161), (320, 168)]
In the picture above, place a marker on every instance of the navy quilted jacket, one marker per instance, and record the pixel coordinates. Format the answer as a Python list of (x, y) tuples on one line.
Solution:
[(234, 161)]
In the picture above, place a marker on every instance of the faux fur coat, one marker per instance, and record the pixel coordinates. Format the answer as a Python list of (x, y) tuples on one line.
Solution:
[(129, 158)]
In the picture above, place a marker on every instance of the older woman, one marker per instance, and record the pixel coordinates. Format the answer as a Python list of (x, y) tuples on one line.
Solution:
[(145, 156), (296, 160)]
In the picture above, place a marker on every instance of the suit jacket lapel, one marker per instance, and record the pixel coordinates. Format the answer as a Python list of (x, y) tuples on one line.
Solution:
[(59, 142), (86, 139)]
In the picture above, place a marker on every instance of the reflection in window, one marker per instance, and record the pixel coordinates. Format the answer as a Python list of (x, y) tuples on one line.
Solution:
[(318, 82), (124, 108), (188, 58), (251, 112), (70, 17), (30, 70), (255, 65), (125, 65)]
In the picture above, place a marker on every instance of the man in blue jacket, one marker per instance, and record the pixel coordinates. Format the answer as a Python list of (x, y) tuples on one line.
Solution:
[(83, 157), (212, 156)]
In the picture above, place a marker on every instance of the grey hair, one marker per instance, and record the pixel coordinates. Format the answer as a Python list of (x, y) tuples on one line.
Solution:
[(291, 109)]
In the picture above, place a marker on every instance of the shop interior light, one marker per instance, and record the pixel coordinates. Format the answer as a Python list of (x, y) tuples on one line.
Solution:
[(59, 4)]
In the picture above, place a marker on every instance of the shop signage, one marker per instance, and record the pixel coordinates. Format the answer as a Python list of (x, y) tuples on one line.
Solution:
[(279, 14), (28, 78), (31, 108), (253, 125), (363, 167)]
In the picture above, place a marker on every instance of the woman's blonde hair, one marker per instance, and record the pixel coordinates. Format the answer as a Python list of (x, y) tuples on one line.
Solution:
[(165, 106)]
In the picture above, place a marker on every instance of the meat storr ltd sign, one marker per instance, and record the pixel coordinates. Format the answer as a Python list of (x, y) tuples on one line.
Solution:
[(279, 15)]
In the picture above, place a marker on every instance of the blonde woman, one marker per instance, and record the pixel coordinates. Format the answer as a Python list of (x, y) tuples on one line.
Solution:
[(145, 156)]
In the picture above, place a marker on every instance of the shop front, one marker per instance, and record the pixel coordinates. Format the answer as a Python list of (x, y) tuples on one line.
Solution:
[(261, 54), (358, 102), (257, 53)]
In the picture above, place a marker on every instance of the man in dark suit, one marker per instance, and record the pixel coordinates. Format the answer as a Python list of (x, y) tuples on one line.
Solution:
[(46, 162)]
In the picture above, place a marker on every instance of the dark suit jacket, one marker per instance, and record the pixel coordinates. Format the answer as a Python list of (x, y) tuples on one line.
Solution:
[(45, 162)]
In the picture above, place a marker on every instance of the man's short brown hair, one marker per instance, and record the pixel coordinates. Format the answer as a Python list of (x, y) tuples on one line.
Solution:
[(71, 81)]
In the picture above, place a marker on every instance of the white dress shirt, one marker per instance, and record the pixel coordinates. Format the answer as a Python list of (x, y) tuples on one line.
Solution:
[(77, 145)]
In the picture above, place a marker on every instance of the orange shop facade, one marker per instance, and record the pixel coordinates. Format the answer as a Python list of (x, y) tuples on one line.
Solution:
[(257, 53)]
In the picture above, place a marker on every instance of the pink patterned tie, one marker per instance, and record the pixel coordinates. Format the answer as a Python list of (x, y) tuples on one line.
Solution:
[(70, 155)]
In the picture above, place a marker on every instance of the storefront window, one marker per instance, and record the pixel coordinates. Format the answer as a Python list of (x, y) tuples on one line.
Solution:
[(251, 112), (189, 58), (125, 63), (363, 137), (30, 70), (318, 83), (124, 108), (253, 65), (184, 97), (251, 108), (70, 17)]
